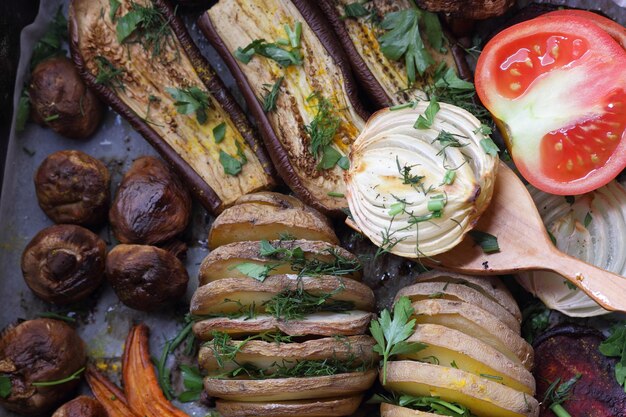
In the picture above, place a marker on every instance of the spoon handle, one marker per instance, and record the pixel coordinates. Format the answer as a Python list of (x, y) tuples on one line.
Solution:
[(604, 287)]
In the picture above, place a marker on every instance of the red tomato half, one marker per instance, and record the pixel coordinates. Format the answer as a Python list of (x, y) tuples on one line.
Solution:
[(557, 88), (617, 31)]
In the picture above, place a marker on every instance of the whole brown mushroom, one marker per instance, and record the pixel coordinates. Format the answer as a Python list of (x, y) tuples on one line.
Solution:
[(73, 187), (64, 263), (145, 277), (151, 204), (81, 406), (61, 100), (38, 351)]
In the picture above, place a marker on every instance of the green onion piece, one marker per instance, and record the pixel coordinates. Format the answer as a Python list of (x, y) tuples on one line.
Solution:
[(334, 194), (282, 41), (75, 375), (448, 179), (488, 242), (436, 205)]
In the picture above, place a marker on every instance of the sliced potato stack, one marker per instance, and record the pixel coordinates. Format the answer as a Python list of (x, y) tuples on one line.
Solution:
[(473, 353), (282, 313)]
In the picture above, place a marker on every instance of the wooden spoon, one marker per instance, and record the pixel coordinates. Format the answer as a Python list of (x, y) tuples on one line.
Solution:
[(525, 245)]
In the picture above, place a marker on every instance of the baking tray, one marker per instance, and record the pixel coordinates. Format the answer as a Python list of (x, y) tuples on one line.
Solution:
[(102, 321)]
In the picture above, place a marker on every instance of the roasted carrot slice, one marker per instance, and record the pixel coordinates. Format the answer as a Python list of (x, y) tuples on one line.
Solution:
[(108, 394), (140, 380)]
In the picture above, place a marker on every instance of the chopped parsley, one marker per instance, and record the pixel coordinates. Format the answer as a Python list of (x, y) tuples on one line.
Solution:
[(615, 346), (147, 26), (191, 100), (488, 242), (271, 95), (219, 132), (321, 131), (426, 120), (273, 51), (108, 74)]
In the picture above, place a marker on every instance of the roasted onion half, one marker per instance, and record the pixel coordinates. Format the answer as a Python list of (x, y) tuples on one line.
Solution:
[(416, 192)]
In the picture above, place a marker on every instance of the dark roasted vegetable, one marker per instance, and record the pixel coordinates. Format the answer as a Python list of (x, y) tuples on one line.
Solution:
[(42, 360), (565, 351), (145, 277), (73, 187), (60, 100), (81, 406), (385, 79), (317, 114), (139, 58), (151, 204), (64, 263), (472, 9)]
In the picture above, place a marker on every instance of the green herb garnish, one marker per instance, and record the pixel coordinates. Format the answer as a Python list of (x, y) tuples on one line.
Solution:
[(114, 5), (434, 405), (535, 319), (51, 43), (425, 121), (403, 39), (219, 132), (269, 100), (163, 371), (489, 147), (615, 346), (232, 166), (145, 25), (449, 177), (488, 242), (5, 386), (108, 74), (192, 381), (74, 376), (557, 393), (391, 333), (254, 270), (273, 51), (296, 304), (51, 315), (294, 34), (23, 111), (353, 10), (321, 131), (587, 220), (191, 100)]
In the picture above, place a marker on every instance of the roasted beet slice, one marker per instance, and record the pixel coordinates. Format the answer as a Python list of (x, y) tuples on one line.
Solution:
[(324, 69), (141, 61), (566, 350)]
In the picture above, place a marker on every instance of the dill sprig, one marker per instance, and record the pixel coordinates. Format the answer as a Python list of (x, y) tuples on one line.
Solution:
[(225, 349), (147, 26), (433, 405), (557, 393), (298, 369), (321, 131), (295, 304), (271, 95), (108, 74)]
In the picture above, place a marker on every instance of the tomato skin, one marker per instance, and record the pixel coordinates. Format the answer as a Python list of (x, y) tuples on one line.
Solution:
[(561, 96), (617, 31)]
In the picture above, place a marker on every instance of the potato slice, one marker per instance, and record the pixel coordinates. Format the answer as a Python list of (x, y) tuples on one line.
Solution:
[(470, 354), (330, 407), (290, 389), (478, 323), (228, 295), (222, 262), (265, 355), (491, 286), (482, 396), (459, 292), (349, 323), (390, 410), (269, 216)]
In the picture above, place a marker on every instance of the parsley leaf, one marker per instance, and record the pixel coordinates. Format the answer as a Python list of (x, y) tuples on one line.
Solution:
[(269, 101), (145, 25), (232, 166), (535, 319), (190, 100), (192, 381), (489, 147), (615, 346), (427, 119), (403, 39), (254, 270), (355, 9), (51, 43), (219, 132), (450, 80), (391, 333), (5, 386), (588, 220), (273, 51), (114, 5)]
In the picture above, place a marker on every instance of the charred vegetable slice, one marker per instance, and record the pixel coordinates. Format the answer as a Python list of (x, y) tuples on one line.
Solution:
[(316, 115), (328, 407), (142, 62), (383, 74), (108, 394)]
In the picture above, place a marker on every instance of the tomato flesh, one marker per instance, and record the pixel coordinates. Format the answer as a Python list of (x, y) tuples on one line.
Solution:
[(577, 151), (525, 64), (556, 86)]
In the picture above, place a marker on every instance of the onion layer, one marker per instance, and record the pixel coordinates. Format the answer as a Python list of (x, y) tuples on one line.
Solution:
[(397, 172), (593, 229)]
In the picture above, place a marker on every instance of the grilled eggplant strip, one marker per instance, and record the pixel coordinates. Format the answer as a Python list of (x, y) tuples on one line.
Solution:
[(232, 24), (140, 95), (384, 80)]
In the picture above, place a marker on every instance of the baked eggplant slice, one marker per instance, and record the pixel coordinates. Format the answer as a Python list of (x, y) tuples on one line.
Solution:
[(270, 216), (138, 57), (458, 292), (289, 389), (482, 396), (475, 322), (357, 350), (349, 323), (328, 407), (385, 80), (313, 114), (228, 295), (223, 261)]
